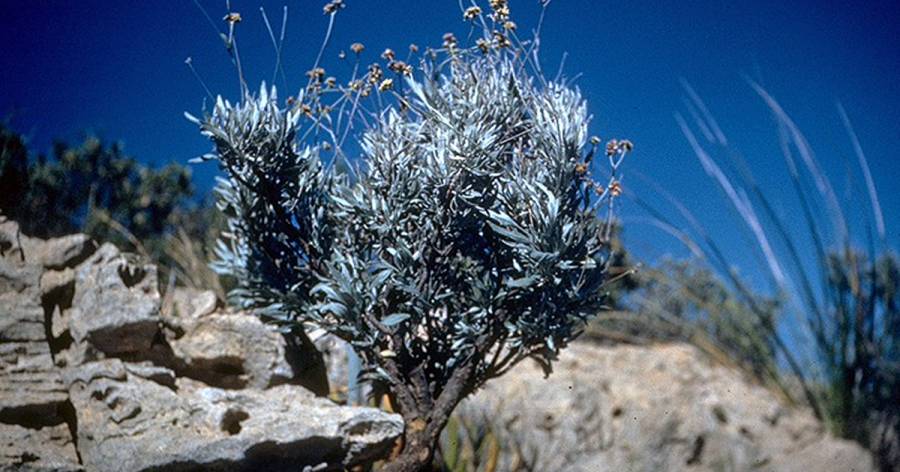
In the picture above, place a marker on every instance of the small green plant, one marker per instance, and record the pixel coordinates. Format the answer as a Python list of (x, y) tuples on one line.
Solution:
[(470, 235)]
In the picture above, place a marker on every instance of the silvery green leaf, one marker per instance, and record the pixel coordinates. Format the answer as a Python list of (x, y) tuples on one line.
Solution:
[(394, 319)]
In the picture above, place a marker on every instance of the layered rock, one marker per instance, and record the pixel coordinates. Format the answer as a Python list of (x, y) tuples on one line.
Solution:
[(643, 408), (138, 420), (228, 349), (34, 404), (96, 374)]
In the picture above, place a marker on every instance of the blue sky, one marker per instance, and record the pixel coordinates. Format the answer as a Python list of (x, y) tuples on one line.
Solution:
[(117, 69)]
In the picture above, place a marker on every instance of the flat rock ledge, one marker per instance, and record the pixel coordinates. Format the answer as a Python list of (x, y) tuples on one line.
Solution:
[(98, 373)]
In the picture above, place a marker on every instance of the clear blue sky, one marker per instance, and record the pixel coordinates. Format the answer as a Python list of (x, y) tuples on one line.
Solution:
[(117, 68)]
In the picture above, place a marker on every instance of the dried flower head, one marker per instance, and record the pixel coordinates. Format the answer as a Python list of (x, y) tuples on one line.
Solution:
[(385, 85), (357, 48), (626, 145), (615, 188), (509, 25), (483, 44), (501, 10), (233, 17), (595, 140), (581, 168), (413, 48), (449, 40), (388, 54), (375, 73), (400, 67), (612, 147), (316, 74), (333, 6), (501, 40), (471, 13), (331, 82)]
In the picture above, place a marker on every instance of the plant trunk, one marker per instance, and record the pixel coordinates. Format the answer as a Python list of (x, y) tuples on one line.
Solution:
[(418, 450)]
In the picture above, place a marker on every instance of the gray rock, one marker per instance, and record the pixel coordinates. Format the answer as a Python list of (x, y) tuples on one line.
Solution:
[(57, 290), (57, 253), (31, 390), (630, 408), (115, 307), (225, 348), (49, 449), (34, 434), (21, 313), (129, 423)]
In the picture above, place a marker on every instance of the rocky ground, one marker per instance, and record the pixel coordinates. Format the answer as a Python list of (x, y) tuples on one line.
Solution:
[(653, 408), (97, 372)]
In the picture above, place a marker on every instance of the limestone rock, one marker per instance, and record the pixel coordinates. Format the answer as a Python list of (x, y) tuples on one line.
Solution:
[(630, 408), (116, 303), (129, 423), (57, 253), (48, 449), (34, 404), (31, 389), (224, 348)]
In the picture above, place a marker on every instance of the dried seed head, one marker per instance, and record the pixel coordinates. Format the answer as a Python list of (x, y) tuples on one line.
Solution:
[(233, 17), (509, 25), (471, 13), (386, 84), (501, 14), (581, 168), (615, 188), (483, 44), (612, 147), (413, 48), (626, 145), (501, 40), (316, 74), (357, 48), (331, 82), (375, 73), (333, 6), (449, 40), (388, 54), (400, 67), (595, 140)]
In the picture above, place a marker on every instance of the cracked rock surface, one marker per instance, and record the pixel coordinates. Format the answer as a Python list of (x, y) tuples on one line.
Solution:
[(97, 374)]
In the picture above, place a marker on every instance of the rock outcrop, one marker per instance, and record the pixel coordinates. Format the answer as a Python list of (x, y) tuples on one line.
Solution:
[(649, 408), (98, 372)]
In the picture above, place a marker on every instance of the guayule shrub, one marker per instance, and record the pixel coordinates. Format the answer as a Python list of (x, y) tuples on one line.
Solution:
[(470, 236)]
